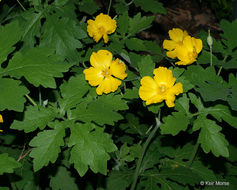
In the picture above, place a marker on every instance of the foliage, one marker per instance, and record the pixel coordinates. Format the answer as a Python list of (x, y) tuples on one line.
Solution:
[(58, 133)]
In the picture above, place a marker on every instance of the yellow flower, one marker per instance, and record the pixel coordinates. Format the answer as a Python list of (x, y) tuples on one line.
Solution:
[(101, 27), (1, 121), (177, 36), (159, 88), (103, 71), (188, 52)]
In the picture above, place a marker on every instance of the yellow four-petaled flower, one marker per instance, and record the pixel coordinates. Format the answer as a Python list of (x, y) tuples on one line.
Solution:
[(182, 46), (161, 87), (103, 72), (101, 27)]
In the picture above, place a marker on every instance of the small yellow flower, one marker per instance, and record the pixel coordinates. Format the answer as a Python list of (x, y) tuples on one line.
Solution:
[(1, 119), (159, 88), (177, 36), (103, 71), (101, 27), (188, 52)]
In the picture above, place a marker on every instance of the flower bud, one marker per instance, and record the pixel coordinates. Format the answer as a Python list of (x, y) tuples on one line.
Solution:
[(209, 39)]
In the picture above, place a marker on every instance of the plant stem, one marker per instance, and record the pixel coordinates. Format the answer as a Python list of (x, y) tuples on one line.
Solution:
[(148, 140), (110, 2), (211, 55), (219, 71), (31, 100), (21, 5), (40, 99), (130, 3), (193, 154)]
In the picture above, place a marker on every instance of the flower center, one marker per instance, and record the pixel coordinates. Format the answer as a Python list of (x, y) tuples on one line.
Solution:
[(192, 54), (162, 88), (106, 73), (102, 30)]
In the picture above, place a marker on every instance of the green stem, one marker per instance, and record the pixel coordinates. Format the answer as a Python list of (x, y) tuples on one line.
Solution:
[(21, 5), (110, 2), (138, 78), (130, 3), (219, 71), (148, 140), (31, 100), (193, 154), (40, 99), (211, 55)]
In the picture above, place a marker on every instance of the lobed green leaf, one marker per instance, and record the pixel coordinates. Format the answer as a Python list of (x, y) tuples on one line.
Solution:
[(90, 148), (46, 146)]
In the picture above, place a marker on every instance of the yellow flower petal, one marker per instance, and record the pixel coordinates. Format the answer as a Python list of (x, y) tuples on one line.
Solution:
[(1, 119), (108, 85), (164, 76), (188, 52), (106, 38), (148, 88), (94, 76), (160, 88), (101, 27), (177, 34), (169, 44), (197, 43), (176, 89), (118, 69), (171, 54), (101, 60)]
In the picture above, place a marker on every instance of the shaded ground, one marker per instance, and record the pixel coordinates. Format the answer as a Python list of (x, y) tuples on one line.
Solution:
[(187, 15)]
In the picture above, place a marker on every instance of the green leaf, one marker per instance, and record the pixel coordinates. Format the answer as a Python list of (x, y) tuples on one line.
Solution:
[(88, 6), (72, 92), (135, 44), (154, 49), (102, 111), (197, 102), (38, 66), (31, 27), (222, 112), (227, 37), (7, 164), (64, 34), (123, 24), (197, 169), (119, 180), (208, 84), (151, 179), (210, 137), (12, 95), (232, 100), (34, 117), (138, 23), (174, 123), (146, 66), (131, 93), (63, 180), (121, 7), (133, 126), (90, 148), (152, 156), (10, 34), (47, 146), (150, 5), (27, 176)]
